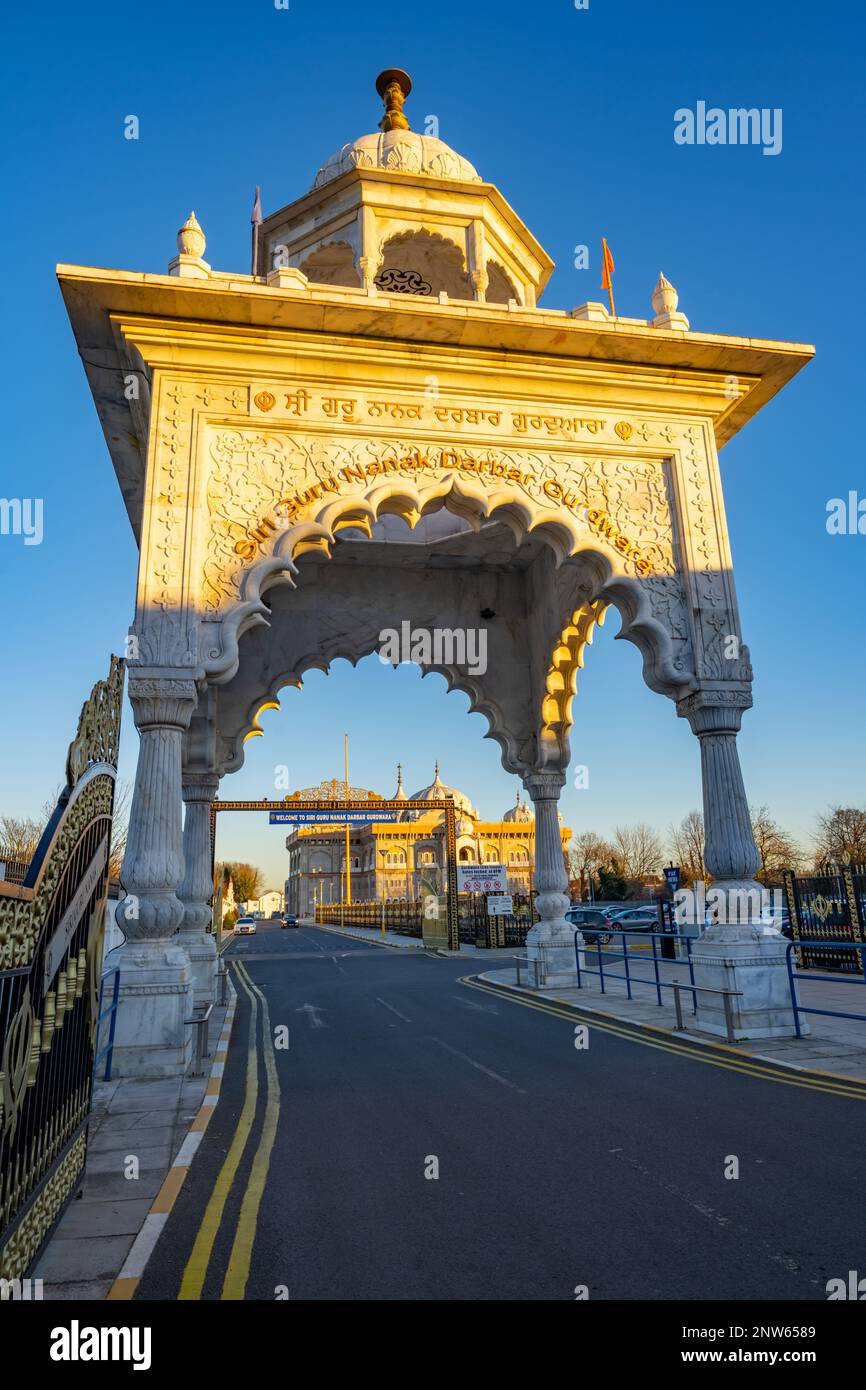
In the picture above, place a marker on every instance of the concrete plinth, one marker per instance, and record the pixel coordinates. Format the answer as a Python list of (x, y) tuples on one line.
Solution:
[(554, 954), (200, 947), (755, 966), (152, 1038)]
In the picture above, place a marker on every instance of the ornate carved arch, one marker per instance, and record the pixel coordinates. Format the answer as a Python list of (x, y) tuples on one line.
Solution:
[(332, 264), (500, 286), (418, 261), (586, 581)]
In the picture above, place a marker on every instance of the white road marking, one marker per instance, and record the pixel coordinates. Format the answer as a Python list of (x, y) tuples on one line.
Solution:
[(393, 1010), (478, 1067), (312, 1013), (470, 1004)]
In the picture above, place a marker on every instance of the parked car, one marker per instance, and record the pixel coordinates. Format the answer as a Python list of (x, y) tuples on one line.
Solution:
[(585, 917), (289, 920), (245, 926), (639, 918), (780, 920)]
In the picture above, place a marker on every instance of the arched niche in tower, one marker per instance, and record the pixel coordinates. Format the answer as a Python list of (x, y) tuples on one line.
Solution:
[(333, 264), (500, 286), (420, 262)]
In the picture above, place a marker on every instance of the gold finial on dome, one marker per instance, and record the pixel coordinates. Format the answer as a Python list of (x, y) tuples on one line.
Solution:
[(393, 86)]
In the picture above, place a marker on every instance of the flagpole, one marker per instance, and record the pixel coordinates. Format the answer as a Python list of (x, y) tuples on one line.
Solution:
[(348, 868), (256, 220), (607, 268)]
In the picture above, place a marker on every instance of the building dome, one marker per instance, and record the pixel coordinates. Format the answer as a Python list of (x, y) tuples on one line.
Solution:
[(519, 811), (437, 791), (394, 146), (401, 151)]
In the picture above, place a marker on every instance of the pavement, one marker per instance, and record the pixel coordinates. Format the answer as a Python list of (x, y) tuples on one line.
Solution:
[(834, 1046), (142, 1136)]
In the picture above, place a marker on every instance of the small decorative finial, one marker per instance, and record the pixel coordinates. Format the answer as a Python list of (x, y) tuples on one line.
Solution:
[(665, 297), (664, 301), (393, 86), (191, 238), (190, 249), (436, 777), (399, 774), (517, 801)]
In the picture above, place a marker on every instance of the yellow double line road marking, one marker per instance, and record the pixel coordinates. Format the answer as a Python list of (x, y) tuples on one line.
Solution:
[(237, 1271), (712, 1054)]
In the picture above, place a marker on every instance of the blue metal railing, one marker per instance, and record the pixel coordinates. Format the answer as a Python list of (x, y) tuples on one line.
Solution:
[(799, 1008), (630, 978), (111, 1012)]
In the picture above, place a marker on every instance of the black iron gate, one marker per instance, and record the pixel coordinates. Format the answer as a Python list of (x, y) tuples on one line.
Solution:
[(828, 906), (51, 931), (477, 927)]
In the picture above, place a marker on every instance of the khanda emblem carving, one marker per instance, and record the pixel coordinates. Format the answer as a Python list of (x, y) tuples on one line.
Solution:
[(624, 429)]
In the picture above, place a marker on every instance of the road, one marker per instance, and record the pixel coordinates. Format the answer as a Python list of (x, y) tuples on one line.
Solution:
[(559, 1168)]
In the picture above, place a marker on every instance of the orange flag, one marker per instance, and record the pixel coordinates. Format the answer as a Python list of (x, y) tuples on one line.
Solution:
[(607, 266)]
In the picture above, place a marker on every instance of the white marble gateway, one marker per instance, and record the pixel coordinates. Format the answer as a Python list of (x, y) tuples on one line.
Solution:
[(382, 425)]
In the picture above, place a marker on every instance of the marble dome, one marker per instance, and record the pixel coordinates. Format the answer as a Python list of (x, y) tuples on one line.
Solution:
[(402, 151), (519, 811), (437, 791)]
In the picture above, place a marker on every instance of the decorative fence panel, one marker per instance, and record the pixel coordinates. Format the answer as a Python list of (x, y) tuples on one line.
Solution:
[(51, 931), (402, 915), (475, 926), (828, 906)]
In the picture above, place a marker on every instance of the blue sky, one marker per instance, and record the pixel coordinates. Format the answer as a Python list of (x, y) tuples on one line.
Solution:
[(571, 113)]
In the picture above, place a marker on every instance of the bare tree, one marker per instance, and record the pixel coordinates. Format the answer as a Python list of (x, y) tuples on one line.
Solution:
[(119, 827), (840, 837), (687, 847), (638, 849), (587, 854), (19, 836), (777, 849)]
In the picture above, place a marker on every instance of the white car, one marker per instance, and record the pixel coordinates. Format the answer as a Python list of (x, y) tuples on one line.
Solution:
[(245, 926)]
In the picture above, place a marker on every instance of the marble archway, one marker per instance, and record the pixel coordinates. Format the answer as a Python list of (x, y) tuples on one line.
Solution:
[(299, 563)]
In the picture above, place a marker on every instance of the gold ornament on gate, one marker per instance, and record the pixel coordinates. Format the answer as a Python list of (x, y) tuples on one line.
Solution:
[(265, 401)]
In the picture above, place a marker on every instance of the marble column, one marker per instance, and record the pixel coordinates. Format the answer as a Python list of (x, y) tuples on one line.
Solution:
[(156, 989), (196, 889), (551, 940), (738, 951)]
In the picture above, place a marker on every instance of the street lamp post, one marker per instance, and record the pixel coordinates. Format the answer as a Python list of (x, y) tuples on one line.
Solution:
[(383, 853)]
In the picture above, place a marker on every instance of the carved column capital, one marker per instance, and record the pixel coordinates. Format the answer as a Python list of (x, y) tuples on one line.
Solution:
[(162, 702), (715, 711), (544, 786), (199, 786), (480, 283)]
